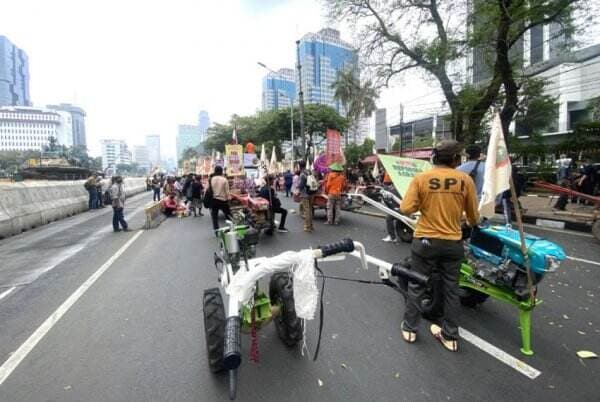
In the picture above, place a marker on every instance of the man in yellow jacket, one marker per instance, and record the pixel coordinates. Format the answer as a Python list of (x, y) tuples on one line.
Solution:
[(441, 195)]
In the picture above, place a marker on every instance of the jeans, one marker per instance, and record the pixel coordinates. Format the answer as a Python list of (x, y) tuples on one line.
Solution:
[(118, 219), (288, 189), (283, 213), (390, 225), (93, 200), (156, 195), (446, 256), (216, 206)]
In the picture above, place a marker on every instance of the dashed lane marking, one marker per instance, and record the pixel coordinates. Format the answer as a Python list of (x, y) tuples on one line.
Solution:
[(20, 354), (499, 354), (7, 292), (563, 232), (583, 260)]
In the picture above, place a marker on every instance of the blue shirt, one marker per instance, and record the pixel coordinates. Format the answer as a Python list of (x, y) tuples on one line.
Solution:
[(468, 167)]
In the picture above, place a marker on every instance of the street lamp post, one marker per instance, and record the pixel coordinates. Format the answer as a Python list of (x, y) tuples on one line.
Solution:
[(263, 65), (301, 100)]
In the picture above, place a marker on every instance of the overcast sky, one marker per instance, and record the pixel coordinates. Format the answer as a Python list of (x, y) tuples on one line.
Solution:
[(144, 66)]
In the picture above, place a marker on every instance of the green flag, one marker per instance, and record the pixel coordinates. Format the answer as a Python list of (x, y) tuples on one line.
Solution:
[(402, 170)]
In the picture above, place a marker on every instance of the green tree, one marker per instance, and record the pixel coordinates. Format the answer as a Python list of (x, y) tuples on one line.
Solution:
[(357, 99), (432, 36), (354, 152)]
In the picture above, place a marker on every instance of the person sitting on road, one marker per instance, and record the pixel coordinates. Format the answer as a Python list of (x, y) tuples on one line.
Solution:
[(441, 195), (268, 194), (169, 205), (335, 184), (221, 196), (169, 187)]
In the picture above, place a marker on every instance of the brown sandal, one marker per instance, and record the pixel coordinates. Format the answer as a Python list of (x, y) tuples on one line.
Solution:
[(408, 336), (448, 344)]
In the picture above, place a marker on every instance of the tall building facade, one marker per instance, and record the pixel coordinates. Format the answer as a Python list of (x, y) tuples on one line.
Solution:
[(114, 152), (279, 89), (322, 56), (153, 146), (141, 157), (188, 136), (203, 124), (14, 75), (77, 122), (28, 128)]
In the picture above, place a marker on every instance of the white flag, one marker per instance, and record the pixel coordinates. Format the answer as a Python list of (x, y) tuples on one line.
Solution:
[(234, 136), (497, 170)]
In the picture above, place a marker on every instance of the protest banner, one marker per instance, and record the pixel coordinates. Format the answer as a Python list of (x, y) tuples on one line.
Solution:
[(234, 157), (402, 170)]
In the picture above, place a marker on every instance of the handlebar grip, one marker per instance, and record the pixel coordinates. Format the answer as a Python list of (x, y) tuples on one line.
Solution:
[(232, 350), (402, 271), (342, 246)]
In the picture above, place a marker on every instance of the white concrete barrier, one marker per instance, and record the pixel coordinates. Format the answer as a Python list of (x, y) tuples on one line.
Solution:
[(26, 205)]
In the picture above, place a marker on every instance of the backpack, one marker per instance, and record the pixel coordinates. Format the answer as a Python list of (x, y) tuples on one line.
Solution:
[(208, 195), (474, 172), (107, 198), (311, 183)]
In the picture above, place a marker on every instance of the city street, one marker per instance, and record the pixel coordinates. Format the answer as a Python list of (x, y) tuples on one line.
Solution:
[(91, 315)]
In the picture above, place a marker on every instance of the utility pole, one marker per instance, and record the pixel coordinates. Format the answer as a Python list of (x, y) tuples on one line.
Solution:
[(301, 100)]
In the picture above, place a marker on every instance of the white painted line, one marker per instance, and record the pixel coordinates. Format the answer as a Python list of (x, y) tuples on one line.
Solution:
[(499, 354), (547, 223), (20, 354), (7, 292), (569, 258), (564, 232)]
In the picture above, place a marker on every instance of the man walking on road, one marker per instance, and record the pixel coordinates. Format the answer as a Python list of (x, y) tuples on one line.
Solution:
[(307, 191), (90, 186), (117, 193), (335, 184), (220, 199), (441, 195)]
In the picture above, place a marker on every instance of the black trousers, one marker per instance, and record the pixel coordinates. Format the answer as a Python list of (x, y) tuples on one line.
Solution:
[(446, 256), (283, 213), (216, 206)]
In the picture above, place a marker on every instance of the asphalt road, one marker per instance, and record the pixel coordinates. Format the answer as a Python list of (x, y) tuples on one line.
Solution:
[(136, 334)]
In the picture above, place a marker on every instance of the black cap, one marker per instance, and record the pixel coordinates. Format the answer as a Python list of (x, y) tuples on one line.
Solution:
[(449, 148), (473, 151)]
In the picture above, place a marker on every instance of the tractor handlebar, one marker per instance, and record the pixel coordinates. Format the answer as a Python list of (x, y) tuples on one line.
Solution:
[(342, 246)]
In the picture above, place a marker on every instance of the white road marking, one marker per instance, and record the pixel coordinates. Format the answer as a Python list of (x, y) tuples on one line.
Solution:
[(564, 232), (20, 354), (499, 354), (7, 292), (583, 260)]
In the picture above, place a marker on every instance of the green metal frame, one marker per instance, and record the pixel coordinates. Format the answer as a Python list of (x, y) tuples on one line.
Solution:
[(468, 280), (262, 304)]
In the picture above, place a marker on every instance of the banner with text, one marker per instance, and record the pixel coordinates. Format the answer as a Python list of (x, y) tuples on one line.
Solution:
[(234, 155), (333, 149), (402, 170)]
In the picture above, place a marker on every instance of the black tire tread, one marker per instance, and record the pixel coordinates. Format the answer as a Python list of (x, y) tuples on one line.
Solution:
[(289, 326), (214, 328)]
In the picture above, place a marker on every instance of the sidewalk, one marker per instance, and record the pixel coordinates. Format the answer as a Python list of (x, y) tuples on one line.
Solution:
[(538, 211)]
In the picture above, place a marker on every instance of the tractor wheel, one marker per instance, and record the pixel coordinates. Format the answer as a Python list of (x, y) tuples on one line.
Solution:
[(214, 328), (404, 232), (289, 326), (471, 298)]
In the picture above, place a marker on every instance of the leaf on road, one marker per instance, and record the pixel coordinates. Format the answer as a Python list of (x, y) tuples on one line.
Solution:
[(344, 366), (320, 382), (586, 354), (566, 317), (67, 388)]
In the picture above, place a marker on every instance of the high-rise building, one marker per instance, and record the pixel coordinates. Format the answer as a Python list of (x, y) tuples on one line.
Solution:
[(279, 89), (153, 146), (141, 157), (77, 121), (14, 75), (27, 128), (322, 56), (114, 152), (203, 124), (188, 136)]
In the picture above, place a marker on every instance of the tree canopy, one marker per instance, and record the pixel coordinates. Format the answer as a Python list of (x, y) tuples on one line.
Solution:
[(273, 127)]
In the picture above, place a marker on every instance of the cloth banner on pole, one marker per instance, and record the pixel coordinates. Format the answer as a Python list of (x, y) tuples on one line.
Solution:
[(234, 157), (402, 170), (333, 147), (497, 170)]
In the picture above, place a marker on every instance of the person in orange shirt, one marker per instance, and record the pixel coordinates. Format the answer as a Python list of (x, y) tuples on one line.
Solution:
[(441, 195), (335, 184)]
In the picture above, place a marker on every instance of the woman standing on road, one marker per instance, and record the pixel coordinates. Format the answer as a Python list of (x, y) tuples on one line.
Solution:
[(117, 193)]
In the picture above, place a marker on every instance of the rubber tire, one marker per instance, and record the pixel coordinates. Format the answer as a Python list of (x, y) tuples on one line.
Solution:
[(289, 326), (214, 328), (472, 298), (403, 232)]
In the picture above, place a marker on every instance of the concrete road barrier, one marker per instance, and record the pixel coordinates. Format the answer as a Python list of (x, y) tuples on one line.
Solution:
[(154, 215), (30, 204)]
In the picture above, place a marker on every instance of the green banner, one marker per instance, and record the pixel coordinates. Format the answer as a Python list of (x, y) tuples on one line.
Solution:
[(402, 170)]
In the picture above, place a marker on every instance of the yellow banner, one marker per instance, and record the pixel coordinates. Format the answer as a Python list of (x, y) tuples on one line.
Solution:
[(234, 155)]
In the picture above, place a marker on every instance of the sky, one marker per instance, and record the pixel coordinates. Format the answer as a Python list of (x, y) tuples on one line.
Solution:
[(142, 67)]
